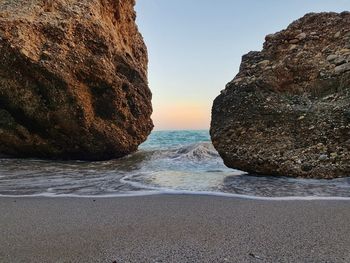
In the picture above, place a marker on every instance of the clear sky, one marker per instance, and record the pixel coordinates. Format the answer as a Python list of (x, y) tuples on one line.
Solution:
[(195, 48)]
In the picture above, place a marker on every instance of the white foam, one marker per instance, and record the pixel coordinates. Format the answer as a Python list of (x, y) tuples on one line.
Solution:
[(150, 174), (180, 192), (167, 191)]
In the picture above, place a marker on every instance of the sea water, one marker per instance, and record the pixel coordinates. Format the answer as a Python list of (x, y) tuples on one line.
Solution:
[(180, 162)]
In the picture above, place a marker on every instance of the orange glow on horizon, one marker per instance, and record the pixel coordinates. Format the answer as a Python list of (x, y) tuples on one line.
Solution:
[(181, 116)]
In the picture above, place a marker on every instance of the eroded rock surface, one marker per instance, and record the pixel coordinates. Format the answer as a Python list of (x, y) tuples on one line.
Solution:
[(287, 111), (73, 79)]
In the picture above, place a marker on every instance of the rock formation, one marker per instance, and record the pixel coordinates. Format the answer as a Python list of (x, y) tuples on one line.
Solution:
[(287, 111), (73, 79)]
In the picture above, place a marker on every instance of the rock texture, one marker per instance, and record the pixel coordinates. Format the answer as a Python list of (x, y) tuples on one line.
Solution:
[(287, 111), (73, 79)]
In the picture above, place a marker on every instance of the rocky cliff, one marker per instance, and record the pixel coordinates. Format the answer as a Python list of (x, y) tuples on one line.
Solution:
[(287, 111), (73, 79)]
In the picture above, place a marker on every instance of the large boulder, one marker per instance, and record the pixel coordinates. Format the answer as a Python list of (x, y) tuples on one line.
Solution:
[(73, 79), (287, 112)]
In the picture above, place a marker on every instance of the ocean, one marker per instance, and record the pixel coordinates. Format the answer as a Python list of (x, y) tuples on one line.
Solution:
[(171, 162)]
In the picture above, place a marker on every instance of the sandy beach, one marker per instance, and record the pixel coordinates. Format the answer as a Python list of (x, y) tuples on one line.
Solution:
[(173, 228)]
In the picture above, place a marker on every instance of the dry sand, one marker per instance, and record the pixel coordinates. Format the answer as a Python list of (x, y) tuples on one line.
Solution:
[(173, 228)]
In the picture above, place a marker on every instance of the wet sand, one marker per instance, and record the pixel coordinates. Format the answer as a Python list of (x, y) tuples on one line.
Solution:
[(173, 228)]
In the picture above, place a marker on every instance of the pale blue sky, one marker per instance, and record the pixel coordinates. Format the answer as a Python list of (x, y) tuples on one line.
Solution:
[(195, 48)]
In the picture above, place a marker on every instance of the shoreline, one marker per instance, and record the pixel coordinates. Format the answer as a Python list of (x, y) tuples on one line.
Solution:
[(184, 193), (173, 228)]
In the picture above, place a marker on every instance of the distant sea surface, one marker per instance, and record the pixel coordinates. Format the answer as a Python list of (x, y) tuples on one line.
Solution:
[(179, 162)]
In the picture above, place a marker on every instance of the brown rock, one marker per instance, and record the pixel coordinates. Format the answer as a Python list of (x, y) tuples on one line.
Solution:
[(294, 41), (289, 111), (73, 79), (342, 68)]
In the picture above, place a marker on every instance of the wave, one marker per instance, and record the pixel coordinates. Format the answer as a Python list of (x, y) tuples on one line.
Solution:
[(196, 152), (194, 168)]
